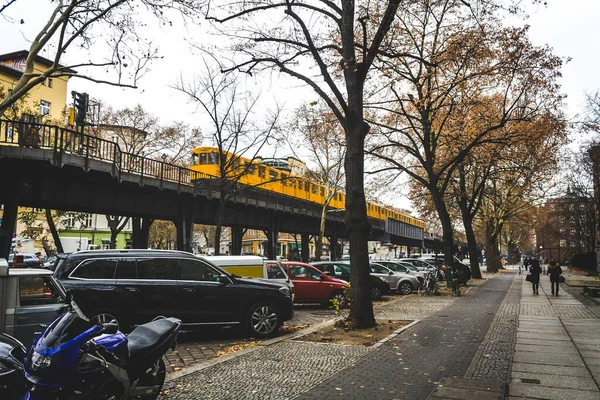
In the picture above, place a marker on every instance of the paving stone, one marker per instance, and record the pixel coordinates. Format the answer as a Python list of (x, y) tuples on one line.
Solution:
[(561, 349), (550, 336), (551, 393), (559, 381), (566, 359), (550, 369)]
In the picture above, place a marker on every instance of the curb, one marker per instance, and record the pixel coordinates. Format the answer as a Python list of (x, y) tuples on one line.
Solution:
[(394, 334)]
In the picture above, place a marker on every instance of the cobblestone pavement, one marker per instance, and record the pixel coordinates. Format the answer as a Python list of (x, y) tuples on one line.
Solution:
[(410, 365), (278, 372), (194, 347), (496, 352)]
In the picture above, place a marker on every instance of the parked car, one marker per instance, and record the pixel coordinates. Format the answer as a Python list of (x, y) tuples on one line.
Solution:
[(30, 297), (49, 263), (312, 286), (135, 286), (341, 270), (30, 260), (424, 266), (398, 266), (253, 267), (401, 282), (463, 272)]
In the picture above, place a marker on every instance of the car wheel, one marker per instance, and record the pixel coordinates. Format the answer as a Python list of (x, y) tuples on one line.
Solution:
[(340, 298), (103, 317), (262, 320), (405, 288), (376, 293)]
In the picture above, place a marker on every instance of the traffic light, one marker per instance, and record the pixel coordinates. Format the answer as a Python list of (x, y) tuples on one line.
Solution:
[(80, 102)]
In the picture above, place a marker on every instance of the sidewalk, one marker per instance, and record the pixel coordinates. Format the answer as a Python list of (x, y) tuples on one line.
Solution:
[(557, 348)]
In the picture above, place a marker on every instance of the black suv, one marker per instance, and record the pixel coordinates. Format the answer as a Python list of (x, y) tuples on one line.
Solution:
[(135, 286), (341, 270)]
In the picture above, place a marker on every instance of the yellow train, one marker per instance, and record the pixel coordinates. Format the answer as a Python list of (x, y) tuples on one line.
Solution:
[(205, 160)]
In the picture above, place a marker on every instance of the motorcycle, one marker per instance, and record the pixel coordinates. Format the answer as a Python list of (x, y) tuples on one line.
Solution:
[(75, 359)]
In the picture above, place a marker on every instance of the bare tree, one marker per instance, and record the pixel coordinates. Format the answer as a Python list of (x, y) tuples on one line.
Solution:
[(116, 224), (322, 137), (334, 58), (234, 130), (82, 24)]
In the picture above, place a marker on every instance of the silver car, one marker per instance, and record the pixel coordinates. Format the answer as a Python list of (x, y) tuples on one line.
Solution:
[(406, 268), (399, 281), (31, 297)]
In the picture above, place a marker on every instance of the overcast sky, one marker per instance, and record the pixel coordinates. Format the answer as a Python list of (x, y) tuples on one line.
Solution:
[(571, 28)]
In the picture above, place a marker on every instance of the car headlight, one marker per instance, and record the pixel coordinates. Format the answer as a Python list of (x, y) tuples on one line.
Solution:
[(286, 291), (39, 361)]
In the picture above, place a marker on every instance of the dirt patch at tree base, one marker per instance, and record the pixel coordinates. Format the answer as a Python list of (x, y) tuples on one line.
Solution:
[(337, 334)]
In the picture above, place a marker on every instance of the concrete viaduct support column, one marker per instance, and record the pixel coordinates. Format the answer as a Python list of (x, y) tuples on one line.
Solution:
[(272, 236), (9, 219), (185, 227), (237, 233), (333, 246), (305, 253), (141, 231)]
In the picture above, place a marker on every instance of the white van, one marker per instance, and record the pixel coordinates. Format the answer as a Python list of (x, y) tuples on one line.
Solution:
[(252, 267)]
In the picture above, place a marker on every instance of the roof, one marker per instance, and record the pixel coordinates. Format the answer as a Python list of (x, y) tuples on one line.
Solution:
[(28, 272), (15, 55), (115, 252), (10, 70)]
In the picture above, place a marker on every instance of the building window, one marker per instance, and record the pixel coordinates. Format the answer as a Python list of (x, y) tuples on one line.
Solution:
[(87, 221), (563, 243), (70, 220), (50, 82), (38, 210), (44, 107)]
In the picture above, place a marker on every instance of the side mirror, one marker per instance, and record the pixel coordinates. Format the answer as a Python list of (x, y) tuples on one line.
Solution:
[(391, 273), (110, 327), (224, 279)]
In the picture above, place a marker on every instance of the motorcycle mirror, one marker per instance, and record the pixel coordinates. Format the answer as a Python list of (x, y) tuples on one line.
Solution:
[(110, 327)]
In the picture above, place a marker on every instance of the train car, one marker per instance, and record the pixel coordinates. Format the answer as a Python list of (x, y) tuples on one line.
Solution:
[(207, 161)]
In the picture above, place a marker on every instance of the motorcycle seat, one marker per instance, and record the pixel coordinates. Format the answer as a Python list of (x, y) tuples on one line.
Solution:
[(144, 338)]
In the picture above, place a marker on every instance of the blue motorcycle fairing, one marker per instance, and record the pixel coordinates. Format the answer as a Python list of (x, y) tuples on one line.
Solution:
[(111, 342)]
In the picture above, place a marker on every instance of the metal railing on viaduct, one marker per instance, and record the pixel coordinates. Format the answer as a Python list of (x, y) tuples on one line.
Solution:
[(46, 166)]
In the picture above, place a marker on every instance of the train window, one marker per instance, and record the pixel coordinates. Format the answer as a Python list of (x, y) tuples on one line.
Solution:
[(284, 179), (292, 182), (250, 169), (262, 171), (202, 158), (322, 191), (273, 176), (315, 189), (213, 158), (194, 159)]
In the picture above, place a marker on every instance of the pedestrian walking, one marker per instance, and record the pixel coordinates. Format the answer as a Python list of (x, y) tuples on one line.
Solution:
[(526, 263), (519, 270), (535, 275), (555, 273)]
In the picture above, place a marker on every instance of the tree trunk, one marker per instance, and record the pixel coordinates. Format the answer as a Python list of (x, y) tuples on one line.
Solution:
[(471, 241), (219, 226), (492, 254), (53, 231), (357, 224), (448, 232), (116, 225)]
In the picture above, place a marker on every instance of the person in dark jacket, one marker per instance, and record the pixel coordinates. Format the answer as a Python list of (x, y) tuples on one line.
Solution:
[(535, 275), (555, 272)]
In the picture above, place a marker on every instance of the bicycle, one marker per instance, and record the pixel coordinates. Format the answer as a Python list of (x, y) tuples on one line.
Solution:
[(428, 284), (454, 282)]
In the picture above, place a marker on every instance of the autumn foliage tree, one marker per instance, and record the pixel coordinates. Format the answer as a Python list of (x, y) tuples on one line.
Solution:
[(456, 82)]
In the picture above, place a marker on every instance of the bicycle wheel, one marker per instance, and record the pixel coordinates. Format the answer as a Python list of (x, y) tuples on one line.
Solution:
[(423, 287)]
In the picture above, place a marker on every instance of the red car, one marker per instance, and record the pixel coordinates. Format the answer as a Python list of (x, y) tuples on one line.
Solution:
[(313, 286)]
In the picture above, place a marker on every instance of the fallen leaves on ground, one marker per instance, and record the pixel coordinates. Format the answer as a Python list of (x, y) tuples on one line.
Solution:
[(236, 347)]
